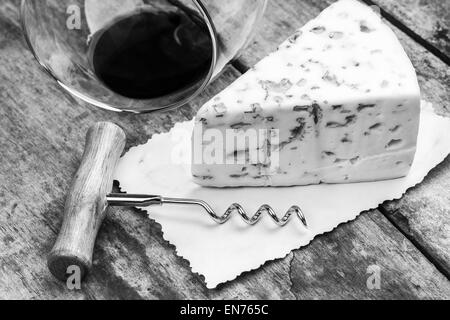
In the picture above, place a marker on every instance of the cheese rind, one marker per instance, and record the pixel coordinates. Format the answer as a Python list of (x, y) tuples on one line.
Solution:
[(342, 96)]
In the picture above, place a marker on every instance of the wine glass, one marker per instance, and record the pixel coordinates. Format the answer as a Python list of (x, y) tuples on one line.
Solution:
[(65, 36)]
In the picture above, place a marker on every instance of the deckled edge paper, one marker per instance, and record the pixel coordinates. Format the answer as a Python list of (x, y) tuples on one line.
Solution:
[(222, 253)]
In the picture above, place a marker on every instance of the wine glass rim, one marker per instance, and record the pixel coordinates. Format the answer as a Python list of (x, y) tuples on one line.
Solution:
[(93, 101)]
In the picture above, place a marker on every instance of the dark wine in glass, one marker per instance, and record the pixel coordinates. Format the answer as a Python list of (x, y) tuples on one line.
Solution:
[(148, 54)]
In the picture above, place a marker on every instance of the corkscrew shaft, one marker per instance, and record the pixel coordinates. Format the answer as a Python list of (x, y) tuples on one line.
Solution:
[(142, 201)]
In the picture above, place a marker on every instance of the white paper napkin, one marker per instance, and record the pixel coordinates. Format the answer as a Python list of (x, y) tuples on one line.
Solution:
[(222, 252)]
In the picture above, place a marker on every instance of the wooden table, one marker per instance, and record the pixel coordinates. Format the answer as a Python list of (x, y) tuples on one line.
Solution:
[(42, 131)]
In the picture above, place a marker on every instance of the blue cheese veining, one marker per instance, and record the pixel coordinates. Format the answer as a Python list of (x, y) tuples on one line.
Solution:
[(342, 95)]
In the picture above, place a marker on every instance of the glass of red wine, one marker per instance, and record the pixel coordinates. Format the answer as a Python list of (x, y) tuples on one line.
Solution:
[(137, 55)]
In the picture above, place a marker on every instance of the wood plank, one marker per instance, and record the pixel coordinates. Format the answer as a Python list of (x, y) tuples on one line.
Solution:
[(428, 22), (333, 266), (425, 220), (423, 215), (42, 135)]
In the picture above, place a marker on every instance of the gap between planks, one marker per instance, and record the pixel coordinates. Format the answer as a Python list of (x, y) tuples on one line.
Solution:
[(410, 33), (430, 257)]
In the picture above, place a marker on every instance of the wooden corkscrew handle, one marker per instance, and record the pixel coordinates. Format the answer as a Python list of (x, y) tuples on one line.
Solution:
[(86, 203)]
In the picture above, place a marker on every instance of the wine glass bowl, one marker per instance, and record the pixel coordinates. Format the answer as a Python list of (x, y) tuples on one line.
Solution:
[(137, 55)]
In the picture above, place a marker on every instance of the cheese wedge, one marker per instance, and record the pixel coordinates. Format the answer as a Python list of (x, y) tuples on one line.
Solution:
[(338, 102)]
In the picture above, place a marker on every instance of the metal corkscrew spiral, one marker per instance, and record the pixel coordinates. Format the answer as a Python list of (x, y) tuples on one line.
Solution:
[(134, 200)]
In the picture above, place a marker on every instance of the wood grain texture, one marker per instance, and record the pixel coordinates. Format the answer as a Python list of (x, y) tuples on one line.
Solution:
[(42, 132), (423, 214), (428, 20), (86, 204)]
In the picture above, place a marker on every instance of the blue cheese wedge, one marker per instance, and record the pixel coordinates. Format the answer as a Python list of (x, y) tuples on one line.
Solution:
[(339, 102)]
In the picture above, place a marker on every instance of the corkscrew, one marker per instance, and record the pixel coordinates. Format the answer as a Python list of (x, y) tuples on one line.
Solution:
[(143, 201), (89, 197)]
